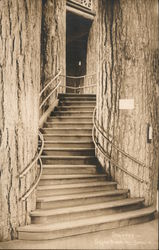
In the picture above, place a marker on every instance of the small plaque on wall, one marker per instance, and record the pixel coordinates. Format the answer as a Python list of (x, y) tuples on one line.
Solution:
[(126, 104)]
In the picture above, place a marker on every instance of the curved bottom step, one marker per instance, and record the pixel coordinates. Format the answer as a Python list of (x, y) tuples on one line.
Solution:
[(76, 227)]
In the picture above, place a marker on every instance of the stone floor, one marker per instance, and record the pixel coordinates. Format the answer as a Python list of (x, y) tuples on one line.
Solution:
[(142, 236)]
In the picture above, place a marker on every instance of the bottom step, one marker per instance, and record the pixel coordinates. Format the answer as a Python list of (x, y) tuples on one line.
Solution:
[(76, 227)]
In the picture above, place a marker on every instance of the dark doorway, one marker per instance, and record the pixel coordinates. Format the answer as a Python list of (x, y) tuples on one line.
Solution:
[(77, 31)]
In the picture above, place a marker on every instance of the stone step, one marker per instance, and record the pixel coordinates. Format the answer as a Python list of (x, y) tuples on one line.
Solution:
[(69, 125), (74, 196), (69, 119), (67, 144), (68, 131), (74, 108), (81, 226), (76, 188), (75, 95), (69, 169), (77, 103), (85, 211), (70, 200), (68, 160), (72, 113), (70, 179), (68, 151), (69, 138), (78, 98)]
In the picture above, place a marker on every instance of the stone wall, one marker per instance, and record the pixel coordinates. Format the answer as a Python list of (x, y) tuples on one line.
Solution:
[(128, 69), (20, 31)]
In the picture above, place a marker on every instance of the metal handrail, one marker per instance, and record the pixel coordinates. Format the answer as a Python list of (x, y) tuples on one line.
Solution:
[(42, 104), (116, 147), (25, 171), (78, 78), (33, 187), (38, 155), (116, 164), (52, 80), (69, 87), (98, 146), (86, 86)]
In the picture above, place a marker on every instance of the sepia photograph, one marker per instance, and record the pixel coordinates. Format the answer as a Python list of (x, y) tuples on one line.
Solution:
[(79, 124)]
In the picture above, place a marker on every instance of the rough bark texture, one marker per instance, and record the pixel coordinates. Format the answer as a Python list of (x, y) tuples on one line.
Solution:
[(122, 49), (53, 41), (128, 69), (20, 29)]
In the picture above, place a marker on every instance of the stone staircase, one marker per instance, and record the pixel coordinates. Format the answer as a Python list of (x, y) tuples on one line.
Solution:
[(74, 195)]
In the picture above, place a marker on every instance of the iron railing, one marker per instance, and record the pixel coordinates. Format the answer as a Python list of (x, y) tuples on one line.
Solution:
[(87, 82), (56, 78), (36, 159), (79, 84), (97, 128)]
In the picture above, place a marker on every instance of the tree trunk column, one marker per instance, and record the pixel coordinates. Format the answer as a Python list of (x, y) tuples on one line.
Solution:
[(129, 69), (20, 31), (53, 38)]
